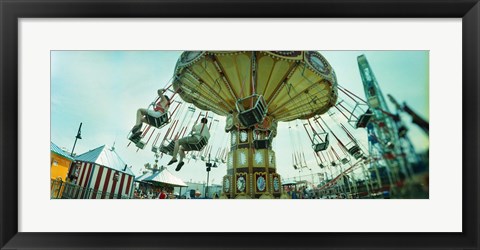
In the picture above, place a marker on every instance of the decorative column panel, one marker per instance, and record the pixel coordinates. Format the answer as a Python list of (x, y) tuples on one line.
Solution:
[(251, 173)]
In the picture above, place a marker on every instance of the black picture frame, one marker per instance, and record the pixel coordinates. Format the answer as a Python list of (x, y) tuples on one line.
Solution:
[(11, 11)]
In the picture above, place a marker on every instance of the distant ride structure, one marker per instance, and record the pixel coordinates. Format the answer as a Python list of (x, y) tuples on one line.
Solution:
[(255, 90), (391, 151), (382, 131)]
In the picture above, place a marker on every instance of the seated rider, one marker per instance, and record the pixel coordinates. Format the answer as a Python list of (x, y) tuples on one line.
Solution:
[(199, 131), (160, 108)]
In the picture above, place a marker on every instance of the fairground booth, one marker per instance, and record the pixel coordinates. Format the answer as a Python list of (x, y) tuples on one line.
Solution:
[(154, 179), (60, 162), (99, 174)]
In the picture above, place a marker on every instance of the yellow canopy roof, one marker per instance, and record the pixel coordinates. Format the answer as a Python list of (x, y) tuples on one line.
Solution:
[(294, 84)]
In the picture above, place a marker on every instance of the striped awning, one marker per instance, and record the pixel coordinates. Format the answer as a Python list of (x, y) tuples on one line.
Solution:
[(106, 157)]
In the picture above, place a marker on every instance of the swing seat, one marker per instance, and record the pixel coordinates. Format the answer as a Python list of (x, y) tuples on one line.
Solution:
[(157, 122), (253, 115), (345, 160), (320, 147), (364, 119), (140, 144), (263, 139), (320, 144), (358, 155), (195, 146), (355, 152), (167, 148), (360, 115), (135, 138), (261, 144)]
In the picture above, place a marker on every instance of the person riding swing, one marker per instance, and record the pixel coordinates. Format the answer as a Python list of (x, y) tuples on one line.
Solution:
[(199, 132), (159, 108)]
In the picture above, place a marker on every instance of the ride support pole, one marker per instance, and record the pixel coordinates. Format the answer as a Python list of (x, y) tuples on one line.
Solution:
[(305, 127), (146, 130), (150, 136), (351, 112), (304, 159), (196, 121), (175, 109), (316, 121), (210, 126), (334, 135), (173, 130), (341, 112), (168, 132), (156, 139), (166, 88), (344, 90), (350, 135)]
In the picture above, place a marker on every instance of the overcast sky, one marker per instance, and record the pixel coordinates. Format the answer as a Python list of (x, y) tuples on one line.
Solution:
[(103, 89)]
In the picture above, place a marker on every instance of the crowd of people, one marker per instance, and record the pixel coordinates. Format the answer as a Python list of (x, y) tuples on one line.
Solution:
[(154, 193), (304, 192)]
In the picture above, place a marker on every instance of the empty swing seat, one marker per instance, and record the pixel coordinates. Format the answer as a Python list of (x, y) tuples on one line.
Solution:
[(262, 144), (253, 115), (358, 155), (196, 146), (140, 144), (167, 148), (320, 144), (364, 119), (137, 140), (157, 122), (263, 139), (355, 152)]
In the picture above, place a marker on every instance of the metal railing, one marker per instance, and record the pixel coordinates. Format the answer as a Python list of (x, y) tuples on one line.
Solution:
[(64, 190)]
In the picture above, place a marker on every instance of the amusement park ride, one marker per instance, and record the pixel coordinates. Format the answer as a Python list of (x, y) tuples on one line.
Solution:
[(255, 90)]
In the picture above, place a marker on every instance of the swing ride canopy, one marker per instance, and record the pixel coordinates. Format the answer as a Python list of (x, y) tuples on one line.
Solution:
[(294, 84)]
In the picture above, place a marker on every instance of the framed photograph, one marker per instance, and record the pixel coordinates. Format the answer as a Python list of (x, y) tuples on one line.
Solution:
[(223, 124)]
